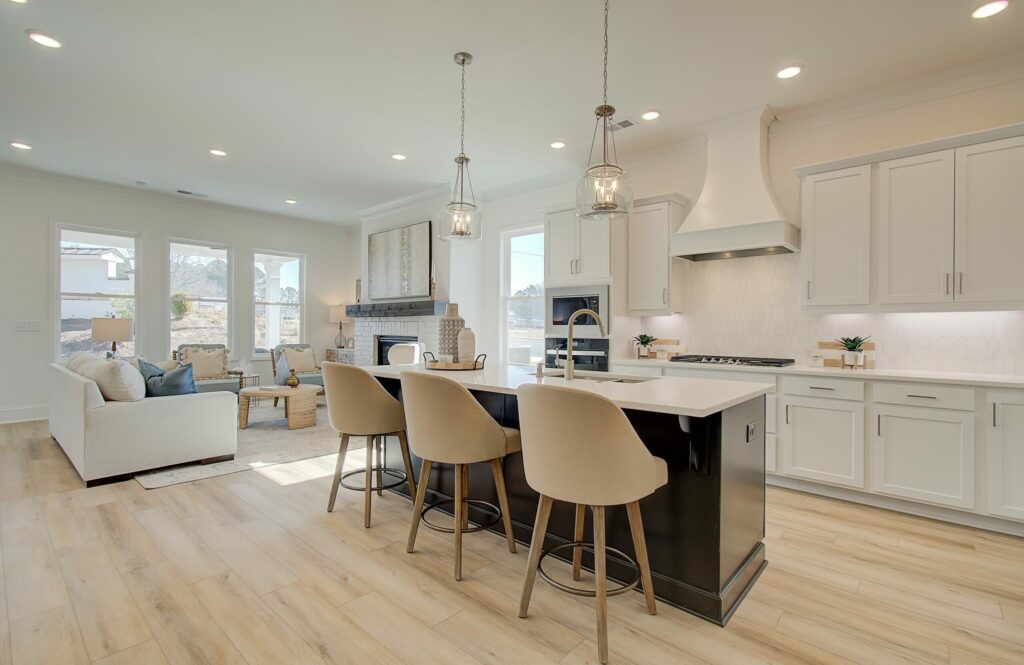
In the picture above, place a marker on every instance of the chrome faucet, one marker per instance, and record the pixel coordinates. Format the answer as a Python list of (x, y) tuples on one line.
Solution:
[(569, 362)]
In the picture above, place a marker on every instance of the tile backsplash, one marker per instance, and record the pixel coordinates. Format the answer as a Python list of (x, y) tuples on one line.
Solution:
[(751, 306)]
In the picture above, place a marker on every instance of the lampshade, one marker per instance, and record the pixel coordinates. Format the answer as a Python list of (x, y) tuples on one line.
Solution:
[(336, 314), (112, 330)]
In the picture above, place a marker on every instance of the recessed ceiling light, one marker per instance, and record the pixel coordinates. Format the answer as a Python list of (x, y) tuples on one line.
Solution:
[(290, 202), (558, 145), (789, 72), (19, 2), (990, 9), (651, 115), (398, 156), (42, 38), (217, 152), (20, 146)]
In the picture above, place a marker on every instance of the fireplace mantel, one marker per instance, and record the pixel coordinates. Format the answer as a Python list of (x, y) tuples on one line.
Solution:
[(378, 310)]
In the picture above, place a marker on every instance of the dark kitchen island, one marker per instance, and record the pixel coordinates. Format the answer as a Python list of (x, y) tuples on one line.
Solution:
[(704, 529)]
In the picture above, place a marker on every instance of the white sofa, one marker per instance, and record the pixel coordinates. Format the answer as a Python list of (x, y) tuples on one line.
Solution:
[(108, 439)]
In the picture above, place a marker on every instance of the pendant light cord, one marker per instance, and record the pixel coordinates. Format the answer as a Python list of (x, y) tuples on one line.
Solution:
[(606, 3), (462, 131)]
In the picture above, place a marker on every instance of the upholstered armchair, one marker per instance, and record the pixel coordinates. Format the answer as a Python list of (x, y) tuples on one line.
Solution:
[(281, 370), (210, 380)]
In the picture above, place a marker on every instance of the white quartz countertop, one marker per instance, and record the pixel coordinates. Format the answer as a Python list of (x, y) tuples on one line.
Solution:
[(962, 378), (676, 395)]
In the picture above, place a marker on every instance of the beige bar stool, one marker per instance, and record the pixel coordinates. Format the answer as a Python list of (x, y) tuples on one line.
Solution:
[(404, 354), (359, 406), (448, 426), (596, 459)]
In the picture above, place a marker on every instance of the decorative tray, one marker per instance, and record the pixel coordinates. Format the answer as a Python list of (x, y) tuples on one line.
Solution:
[(430, 361)]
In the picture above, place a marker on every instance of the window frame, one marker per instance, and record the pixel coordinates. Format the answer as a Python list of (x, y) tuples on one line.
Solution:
[(57, 294), (526, 229), (229, 300), (256, 353)]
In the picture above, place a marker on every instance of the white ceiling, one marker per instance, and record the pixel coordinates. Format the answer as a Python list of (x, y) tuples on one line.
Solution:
[(311, 98)]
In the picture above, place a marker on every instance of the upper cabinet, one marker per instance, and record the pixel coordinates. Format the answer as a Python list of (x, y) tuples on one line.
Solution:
[(938, 224), (836, 237), (915, 229), (575, 251), (990, 221), (652, 271)]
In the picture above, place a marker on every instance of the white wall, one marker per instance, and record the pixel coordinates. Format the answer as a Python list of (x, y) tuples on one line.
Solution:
[(33, 203)]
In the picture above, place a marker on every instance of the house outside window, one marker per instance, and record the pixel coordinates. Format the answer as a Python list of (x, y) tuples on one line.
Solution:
[(523, 290)]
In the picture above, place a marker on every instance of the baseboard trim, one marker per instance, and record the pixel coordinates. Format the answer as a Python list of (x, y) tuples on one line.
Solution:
[(974, 520), (20, 414)]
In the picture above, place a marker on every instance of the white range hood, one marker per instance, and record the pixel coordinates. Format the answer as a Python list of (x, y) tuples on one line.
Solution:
[(737, 213)]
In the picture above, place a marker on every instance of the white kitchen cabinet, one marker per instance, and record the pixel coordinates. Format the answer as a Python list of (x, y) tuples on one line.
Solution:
[(836, 232), (915, 229), (1005, 471), (923, 454), (823, 439), (651, 270), (990, 221), (770, 452), (575, 251)]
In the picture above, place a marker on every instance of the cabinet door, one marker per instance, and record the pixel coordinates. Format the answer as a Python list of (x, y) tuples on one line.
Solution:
[(594, 244), (915, 229), (990, 221), (648, 258), (923, 454), (560, 251), (836, 221), (1005, 474), (823, 439)]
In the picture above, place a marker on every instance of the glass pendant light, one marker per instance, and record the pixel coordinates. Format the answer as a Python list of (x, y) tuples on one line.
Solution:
[(604, 190), (460, 219)]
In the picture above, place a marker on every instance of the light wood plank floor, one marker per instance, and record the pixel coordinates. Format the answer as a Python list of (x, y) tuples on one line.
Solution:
[(248, 568)]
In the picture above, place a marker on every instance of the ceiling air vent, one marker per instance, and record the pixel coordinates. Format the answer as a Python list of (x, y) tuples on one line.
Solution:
[(625, 123), (185, 192)]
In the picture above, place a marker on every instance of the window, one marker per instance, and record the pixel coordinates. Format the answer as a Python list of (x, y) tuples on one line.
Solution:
[(524, 296), (277, 297), (97, 279), (200, 277)]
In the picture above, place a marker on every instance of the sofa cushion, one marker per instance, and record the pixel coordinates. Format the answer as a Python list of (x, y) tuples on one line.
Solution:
[(206, 363), (300, 360), (117, 380), (161, 383)]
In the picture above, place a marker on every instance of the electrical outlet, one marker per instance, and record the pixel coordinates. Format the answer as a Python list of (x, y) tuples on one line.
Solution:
[(27, 326)]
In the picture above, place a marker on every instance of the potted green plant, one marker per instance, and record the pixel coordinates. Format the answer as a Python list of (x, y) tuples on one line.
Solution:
[(853, 350), (643, 344)]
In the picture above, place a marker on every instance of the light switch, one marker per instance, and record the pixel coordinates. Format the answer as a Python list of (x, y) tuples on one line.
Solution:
[(27, 326)]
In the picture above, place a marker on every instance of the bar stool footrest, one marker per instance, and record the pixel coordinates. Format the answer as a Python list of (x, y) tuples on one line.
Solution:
[(611, 553), (483, 506), (396, 478)]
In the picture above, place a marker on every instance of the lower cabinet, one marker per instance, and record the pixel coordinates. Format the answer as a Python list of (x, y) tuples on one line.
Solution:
[(770, 452), (1005, 415), (823, 440), (924, 454)]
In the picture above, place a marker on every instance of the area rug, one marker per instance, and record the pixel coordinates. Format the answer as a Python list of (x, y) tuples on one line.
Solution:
[(265, 442)]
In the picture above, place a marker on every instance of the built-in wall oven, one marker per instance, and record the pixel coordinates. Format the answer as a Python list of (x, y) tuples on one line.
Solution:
[(562, 302)]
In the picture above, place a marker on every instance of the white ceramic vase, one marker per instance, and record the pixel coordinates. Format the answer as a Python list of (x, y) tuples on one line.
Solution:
[(467, 345)]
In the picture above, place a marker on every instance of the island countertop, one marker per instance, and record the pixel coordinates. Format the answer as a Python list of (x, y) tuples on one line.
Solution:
[(682, 396)]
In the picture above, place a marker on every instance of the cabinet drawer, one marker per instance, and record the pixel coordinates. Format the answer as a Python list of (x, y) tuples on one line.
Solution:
[(924, 394), (823, 387)]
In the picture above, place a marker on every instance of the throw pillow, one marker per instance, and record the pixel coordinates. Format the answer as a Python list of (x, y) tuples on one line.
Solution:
[(162, 364), (300, 360), (117, 380), (162, 383), (207, 363)]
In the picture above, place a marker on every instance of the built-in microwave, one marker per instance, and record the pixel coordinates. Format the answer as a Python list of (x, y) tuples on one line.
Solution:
[(562, 302)]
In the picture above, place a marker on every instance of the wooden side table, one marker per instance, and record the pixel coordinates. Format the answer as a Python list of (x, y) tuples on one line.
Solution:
[(299, 403)]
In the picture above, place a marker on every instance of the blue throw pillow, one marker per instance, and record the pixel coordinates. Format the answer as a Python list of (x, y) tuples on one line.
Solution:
[(161, 383)]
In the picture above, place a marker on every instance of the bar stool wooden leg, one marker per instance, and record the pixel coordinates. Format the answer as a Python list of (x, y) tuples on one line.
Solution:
[(368, 492), (381, 442), (460, 514), (636, 527), (577, 552), (540, 528), (601, 572), (417, 507), (506, 517), (403, 443), (465, 496), (338, 468)]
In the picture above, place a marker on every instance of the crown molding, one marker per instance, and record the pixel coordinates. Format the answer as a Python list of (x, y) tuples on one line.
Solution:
[(404, 203), (958, 80), (17, 173)]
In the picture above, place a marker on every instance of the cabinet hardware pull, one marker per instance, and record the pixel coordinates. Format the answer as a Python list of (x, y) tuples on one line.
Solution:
[(664, 296), (820, 388), (578, 270), (923, 396), (994, 415), (947, 283), (787, 414), (572, 266), (808, 289), (961, 283), (879, 424)]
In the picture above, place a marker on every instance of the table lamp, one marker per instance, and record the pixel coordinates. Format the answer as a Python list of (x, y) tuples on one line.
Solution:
[(337, 315), (112, 330)]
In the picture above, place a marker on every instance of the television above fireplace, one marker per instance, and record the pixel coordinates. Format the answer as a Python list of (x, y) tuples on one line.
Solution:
[(398, 262)]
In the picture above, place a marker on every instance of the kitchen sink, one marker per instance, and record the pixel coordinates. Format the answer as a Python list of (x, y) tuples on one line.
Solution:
[(603, 379)]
